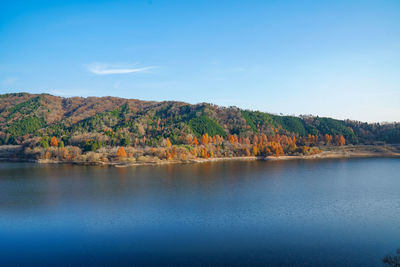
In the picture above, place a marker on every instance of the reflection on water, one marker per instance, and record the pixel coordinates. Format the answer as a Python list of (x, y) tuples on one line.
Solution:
[(324, 213)]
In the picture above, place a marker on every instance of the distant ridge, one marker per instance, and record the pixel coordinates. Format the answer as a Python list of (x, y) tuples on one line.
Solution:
[(24, 116)]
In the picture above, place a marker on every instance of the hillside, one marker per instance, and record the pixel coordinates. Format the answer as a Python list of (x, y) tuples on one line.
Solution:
[(96, 122)]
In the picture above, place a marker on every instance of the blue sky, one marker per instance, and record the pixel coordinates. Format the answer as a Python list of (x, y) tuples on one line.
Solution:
[(330, 58)]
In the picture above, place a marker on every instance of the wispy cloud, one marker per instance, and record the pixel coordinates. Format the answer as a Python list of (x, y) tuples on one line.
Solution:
[(105, 69)]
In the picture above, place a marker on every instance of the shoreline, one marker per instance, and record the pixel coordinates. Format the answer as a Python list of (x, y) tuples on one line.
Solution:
[(345, 152)]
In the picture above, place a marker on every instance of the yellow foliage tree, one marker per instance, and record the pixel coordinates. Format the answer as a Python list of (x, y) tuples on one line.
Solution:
[(168, 143), (204, 153), (255, 150)]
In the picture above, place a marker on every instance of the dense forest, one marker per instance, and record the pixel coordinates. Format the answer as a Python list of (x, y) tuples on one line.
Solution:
[(66, 128)]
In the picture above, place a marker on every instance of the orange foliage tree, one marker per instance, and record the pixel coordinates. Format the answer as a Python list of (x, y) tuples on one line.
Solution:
[(195, 142), (121, 152), (214, 140), (231, 139), (54, 141), (328, 139), (204, 139), (339, 140)]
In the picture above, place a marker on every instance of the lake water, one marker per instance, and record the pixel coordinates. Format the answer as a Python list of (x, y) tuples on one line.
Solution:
[(303, 213)]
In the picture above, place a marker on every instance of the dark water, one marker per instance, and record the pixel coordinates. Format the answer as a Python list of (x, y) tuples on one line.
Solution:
[(302, 213)]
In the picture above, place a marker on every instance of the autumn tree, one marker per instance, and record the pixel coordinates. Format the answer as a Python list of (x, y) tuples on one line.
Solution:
[(168, 142), (312, 139), (204, 139), (255, 150), (174, 151), (204, 153), (121, 152), (214, 140), (235, 138), (169, 155), (328, 139), (339, 140), (189, 139), (342, 141), (54, 141), (47, 155), (247, 151), (291, 145), (63, 153), (195, 142), (255, 140)]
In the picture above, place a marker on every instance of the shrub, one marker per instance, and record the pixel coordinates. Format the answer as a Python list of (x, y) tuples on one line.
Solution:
[(44, 142)]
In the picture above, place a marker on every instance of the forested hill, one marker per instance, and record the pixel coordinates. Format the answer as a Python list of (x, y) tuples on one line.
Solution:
[(116, 121)]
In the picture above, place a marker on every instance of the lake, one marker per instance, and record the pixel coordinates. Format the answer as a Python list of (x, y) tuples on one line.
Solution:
[(302, 213)]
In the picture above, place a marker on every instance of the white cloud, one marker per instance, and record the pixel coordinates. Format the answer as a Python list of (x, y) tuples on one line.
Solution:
[(104, 69)]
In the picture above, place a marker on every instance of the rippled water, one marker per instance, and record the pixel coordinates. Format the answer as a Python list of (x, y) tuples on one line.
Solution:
[(303, 213)]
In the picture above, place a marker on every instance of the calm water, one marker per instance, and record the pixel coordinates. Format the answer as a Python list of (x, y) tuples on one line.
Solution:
[(303, 213)]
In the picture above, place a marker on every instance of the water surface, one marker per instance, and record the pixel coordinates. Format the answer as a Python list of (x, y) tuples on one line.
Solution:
[(303, 213)]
